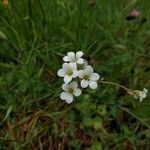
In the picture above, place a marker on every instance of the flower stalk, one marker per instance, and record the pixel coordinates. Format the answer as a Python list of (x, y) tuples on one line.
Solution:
[(135, 93), (115, 84)]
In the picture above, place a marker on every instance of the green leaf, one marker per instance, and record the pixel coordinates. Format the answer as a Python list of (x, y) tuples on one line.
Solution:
[(3, 36), (87, 121), (96, 146), (6, 66), (97, 122), (7, 113)]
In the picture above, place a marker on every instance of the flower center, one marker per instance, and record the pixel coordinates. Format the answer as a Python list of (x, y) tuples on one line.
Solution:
[(86, 77), (69, 72), (70, 90), (73, 59)]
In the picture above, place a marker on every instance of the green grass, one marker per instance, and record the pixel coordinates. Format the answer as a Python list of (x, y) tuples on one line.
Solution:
[(32, 35)]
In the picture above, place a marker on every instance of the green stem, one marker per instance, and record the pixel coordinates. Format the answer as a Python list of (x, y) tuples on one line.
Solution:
[(115, 84)]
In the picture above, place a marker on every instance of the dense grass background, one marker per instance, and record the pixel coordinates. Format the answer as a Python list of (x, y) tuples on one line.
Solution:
[(33, 34)]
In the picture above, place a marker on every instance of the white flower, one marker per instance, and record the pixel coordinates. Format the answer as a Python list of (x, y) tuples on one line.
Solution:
[(74, 58), (70, 90), (68, 71), (143, 94), (88, 78)]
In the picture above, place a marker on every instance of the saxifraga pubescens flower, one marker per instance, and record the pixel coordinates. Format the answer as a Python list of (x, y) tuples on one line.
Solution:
[(141, 94), (74, 57), (68, 71), (70, 90), (89, 78)]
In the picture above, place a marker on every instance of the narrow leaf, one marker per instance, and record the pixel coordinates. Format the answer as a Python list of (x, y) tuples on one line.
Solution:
[(7, 113), (3, 36)]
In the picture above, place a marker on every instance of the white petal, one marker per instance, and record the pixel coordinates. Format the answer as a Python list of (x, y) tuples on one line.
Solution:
[(66, 58), (71, 54), (77, 92), (145, 90), (74, 84), (75, 73), (88, 70), (80, 61), (65, 87), (81, 74), (92, 84), (65, 66), (140, 94), (84, 83), (144, 95), (69, 98), (63, 95), (67, 79), (95, 77), (135, 96), (79, 54), (141, 99), (61, 73), (72, 65)]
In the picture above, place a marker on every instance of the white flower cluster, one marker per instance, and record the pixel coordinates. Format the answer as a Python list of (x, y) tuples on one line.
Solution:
[(141, 94), (76, 67)]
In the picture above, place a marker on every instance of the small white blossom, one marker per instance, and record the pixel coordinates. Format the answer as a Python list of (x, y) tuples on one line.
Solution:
[(70, 90), (74, 58), (143, 94), (68, 71), (88, 78)]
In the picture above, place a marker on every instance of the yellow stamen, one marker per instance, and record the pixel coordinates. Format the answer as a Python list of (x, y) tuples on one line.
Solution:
[(86, 77), (70, 91)]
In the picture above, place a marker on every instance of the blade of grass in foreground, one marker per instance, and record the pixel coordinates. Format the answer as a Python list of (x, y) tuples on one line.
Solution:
[(6, 66)]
